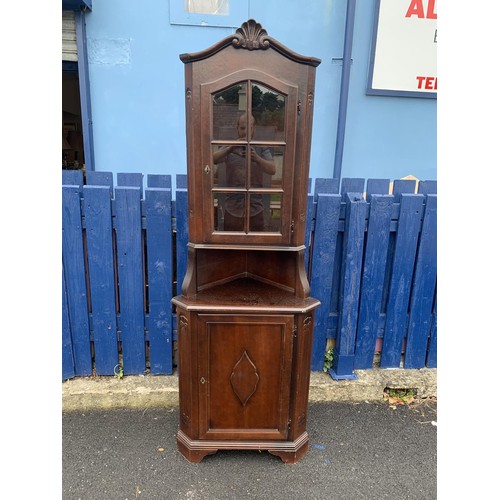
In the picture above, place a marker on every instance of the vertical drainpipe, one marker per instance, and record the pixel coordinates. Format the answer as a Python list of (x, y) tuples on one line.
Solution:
[(83, 75), (344, 87)]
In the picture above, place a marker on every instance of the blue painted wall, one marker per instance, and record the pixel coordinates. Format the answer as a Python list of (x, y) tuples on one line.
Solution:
[(137, 81)]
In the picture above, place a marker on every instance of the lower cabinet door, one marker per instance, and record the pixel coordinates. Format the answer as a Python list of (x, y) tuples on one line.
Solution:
[(245, 364)]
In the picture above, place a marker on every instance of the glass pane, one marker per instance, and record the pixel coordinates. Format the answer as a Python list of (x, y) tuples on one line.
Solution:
[(214, 7), (218, 203), (268, 109), (266, 168), (265, 212), (230, 209), (228, 105), (230, 165)]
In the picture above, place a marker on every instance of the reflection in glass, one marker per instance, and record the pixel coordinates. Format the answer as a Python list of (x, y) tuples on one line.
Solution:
[(230, 208), (218, 207), (227, 106), (268, 108), (269, 208), (230, 165), (266, 168)]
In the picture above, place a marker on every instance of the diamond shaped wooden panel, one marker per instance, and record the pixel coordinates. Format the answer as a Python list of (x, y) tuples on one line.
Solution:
[(244, 378)]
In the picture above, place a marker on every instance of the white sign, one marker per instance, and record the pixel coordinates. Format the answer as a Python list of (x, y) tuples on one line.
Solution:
[(404, 51)]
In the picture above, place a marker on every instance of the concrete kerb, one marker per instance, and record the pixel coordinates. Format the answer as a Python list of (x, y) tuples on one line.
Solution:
[(162, 391)]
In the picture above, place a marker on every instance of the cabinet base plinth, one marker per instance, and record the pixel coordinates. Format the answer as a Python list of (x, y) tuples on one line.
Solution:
[(290, 452)]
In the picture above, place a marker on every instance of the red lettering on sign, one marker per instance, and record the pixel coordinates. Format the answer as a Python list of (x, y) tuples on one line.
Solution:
[(431, 6), (427, 82), (416, 8)]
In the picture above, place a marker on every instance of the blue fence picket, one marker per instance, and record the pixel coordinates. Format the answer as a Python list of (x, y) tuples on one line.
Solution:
[(321, 185), (99, 230), (401, 186), (427, 187), (374, 269), (181, 217), (72, 178), (335, 301), (308, 233), (351, 185), (100, 179), (130, 276), (432, 352), (325, 186), (68, 365), (158, 208), (159, 181), (130, 179), (323, 255), (343, 355), (74, 268), (424, 284), (181, 181), (377, 186), (400, 282)]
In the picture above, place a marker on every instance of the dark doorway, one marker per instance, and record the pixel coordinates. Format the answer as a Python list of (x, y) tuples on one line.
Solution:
[(73, 157)]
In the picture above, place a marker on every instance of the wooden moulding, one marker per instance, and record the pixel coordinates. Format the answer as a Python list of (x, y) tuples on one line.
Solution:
[(251, 36), (290, 452)]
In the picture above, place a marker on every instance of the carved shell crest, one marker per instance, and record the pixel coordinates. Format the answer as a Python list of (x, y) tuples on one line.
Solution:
[(251, 35)]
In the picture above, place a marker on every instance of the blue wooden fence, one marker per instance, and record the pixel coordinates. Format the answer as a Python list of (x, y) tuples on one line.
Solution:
[(371, 261)]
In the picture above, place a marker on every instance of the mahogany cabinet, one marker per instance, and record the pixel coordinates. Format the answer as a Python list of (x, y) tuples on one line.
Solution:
[(245, 318)]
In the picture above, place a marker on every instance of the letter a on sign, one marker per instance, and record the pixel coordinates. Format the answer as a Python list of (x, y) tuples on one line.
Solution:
[(416, 8)]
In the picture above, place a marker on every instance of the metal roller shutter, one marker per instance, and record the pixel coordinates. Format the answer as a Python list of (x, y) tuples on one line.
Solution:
[(69, 50)]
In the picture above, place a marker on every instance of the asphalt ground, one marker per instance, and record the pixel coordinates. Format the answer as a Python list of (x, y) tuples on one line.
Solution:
[(363, 450)]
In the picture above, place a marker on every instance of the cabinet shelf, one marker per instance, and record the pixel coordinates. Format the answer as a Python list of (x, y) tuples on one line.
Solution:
[(247, 294)]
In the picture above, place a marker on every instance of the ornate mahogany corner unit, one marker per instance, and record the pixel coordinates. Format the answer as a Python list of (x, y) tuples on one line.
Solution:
[(245, 317)]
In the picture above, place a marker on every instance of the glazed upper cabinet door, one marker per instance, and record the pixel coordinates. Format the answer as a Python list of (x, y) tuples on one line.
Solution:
[(248, 134)]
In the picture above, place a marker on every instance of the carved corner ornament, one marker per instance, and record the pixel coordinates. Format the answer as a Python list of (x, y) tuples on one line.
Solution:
[(251, 35)]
